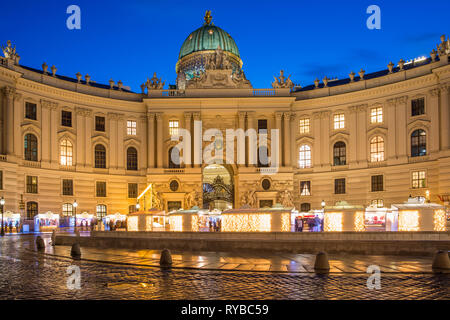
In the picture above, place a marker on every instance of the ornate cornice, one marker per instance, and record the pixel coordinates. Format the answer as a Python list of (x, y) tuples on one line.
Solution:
[(196, 115), (150, 116), (49, 104), (278, 115), (434, 92), (9, 92), (187, 116), (158, 116)]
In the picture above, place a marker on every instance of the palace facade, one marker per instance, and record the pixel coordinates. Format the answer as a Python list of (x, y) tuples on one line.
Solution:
[(370, 139)]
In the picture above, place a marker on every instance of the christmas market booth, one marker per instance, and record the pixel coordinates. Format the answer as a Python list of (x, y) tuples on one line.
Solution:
[(185, 220), (152, 220), (343, 217), (46, 222)]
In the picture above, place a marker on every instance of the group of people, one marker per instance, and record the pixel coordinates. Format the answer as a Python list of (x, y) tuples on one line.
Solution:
[(214, 225), (9, 226), (314, 224), (116, 225)]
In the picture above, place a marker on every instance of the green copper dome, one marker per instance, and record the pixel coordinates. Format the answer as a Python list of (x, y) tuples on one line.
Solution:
[(208, 37)]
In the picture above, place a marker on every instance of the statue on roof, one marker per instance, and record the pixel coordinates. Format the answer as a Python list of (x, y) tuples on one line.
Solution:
[(444, 47), (282, 81), (9, 51), (154, 83), (208, 17)]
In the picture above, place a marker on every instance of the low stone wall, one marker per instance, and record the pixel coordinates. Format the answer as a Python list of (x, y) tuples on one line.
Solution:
[(376, 243)]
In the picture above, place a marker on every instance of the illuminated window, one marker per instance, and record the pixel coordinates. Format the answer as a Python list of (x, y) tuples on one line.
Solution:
[(173, 127), (377, 203), (339, 154), (304, 125), (66, 150), (32, 209), (67, 209), (131, 128), (419, 179), (339, 121), (32, 184), (304, 159), (377, 149), (376, 115), (418, 143), (101, 211), (305, 188)]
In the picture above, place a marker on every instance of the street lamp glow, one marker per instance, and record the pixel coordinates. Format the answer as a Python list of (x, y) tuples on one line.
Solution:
[(2, 201), (75, 204), (138, 206), (323, 203)]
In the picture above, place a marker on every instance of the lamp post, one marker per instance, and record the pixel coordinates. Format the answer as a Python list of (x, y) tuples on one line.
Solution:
[(2, 205), (427, 195), (138, 206), (323, 204), (75, 205)]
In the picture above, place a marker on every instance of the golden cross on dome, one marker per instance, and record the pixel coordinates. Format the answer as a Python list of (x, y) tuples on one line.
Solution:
[(208, 17)]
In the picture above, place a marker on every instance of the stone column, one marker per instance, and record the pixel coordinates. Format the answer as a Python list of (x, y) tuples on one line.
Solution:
[(251, 149), (88, 152), (45, 131), (317, 136), (9, 93), (151, 139), (445, 118), (278, 116), (287, 139), (362, 133), (81, 139), (187, 155), (433, 111), (120, 133), (159, 139), (325, 138), (401, 142), (197, 138), (352, 125), (391, 143), (113, 146), (18, 118), (294, 129), (239, 144), (53, 107), (2, 121), (142, 132)]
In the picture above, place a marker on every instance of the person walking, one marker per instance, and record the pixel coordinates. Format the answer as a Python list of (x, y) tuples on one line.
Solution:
[(300, 224)]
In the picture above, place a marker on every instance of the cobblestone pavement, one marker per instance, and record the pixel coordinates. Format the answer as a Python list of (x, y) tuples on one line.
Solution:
[(25, 274)]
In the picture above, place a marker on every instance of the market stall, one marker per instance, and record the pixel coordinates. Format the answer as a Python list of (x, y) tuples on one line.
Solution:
[(152, 220), (210, 220), (343, 217), (84, 220), (185, 220), (378, 219), (418, 215), (275, 219), (46, 222), (116, 220), (11, 221)]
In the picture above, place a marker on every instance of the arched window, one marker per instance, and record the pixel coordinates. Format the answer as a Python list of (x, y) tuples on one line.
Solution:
[(100, 156), (263, 157), (339, 154), (304, 157), (67, 209), (377, 149), (32, 209), (132, 161), (174, 157), (418, 143), (101, 211), (30, 147), (305, 207), (66, 150)]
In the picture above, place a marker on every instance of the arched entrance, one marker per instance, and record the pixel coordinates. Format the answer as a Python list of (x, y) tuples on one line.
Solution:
[(218, 187)]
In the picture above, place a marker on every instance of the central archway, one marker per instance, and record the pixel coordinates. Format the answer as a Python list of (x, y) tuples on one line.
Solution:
[(218, 187)]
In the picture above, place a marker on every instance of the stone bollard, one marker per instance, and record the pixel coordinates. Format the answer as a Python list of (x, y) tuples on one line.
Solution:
[(166, 258), (75, 252), (441, 262), (53, 237), (40, 244), (321, 265)]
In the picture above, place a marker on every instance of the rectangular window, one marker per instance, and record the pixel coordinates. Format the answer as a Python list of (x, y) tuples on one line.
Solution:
[(173, 205), (173, 127), (377, 203), (1, 180), (418, 107), (377, 183), (376, 115), (101, 189), (30, 111), (304, 125), (132, 190), (339, 121), (262, 125), (305, 188), (67, 187), (99, 123), (132, 208), (131, 128), (66, 118), (339, 186), (32, 184), (419, 179)]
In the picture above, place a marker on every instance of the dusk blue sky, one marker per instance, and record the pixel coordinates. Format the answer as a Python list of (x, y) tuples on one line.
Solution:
[(129, 40)]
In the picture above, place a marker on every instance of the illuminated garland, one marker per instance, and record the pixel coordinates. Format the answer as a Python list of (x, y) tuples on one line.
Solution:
[(285, 222), (333, 221), (194, 223), (359, 221), (246, 222), (176, 223), (408, 220), (148, 223), (440, 220), (132, 224)]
